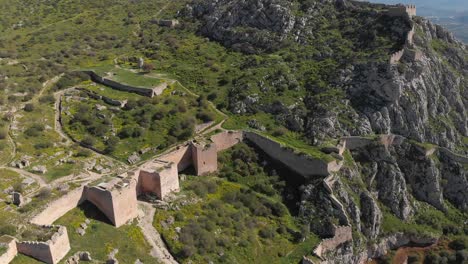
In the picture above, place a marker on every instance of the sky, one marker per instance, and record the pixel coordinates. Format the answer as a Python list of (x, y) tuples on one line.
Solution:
[(452, 14), (434, 5)]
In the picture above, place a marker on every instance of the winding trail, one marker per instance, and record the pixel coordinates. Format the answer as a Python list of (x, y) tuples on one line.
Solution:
[(158, 248), (59, 129)]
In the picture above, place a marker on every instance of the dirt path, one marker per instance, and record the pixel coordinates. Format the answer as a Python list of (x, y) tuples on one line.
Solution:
[(57, 106), (58, 127), (36, 177), (159, 250)]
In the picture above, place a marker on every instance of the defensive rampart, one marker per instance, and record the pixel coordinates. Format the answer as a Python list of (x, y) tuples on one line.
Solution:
[(159, 177), (106, 99), (116, 199), (9, 243), (342, 235), (51, 251), (122, 87), (59, 207), (227, 139), (300, 163), (182, 156), (205, 158), (402, 10)]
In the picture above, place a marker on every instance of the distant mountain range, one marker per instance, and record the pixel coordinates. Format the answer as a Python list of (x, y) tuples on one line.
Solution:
[(452, 14)]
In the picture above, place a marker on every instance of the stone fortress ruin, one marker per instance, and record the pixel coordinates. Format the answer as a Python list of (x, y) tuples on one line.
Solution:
[(117, 197), (50, 251), (407, 12)]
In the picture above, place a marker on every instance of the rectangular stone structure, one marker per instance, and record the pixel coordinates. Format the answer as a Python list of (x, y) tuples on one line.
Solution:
[(160, 178), (51, 251), (205, 158)]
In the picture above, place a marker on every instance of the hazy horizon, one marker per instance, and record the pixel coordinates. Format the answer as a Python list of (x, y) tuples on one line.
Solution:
[(452, 14)]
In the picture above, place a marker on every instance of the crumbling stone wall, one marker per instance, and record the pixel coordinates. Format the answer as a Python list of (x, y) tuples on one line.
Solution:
[(106, 99), (182, 156), (227, 139), (161, 179), (51, 251), (123, 87), (10, 244), (342, 235), (59, 207), (205, 158), (300, 163)]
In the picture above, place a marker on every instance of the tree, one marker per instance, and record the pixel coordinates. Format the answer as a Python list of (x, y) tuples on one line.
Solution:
[(147, 67), (29, 107)]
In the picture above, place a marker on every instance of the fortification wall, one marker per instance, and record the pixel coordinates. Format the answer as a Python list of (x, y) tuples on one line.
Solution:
[(396, 57), (106, 99), (59, 207), (205, 158), (11, 252), (102, 199), (410, 36), (402, 10), (227, 139), (160, 181), (182, 157), (118, 202), (119, 86), (51, 251), (342, 235), (300, 163), (125, 204)]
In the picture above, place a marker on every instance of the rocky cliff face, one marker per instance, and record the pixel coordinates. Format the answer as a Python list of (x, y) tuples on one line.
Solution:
[(336, 56)]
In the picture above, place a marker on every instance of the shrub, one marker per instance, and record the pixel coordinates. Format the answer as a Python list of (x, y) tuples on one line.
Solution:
[(47, 99), (43, 145), (29, 107), (88, 141), (34, 130), (267, 232), (179, 216), (44, 193), (7, 229), (279, 131), (459, 244), (206, 116), (83, 153), (188, 251)]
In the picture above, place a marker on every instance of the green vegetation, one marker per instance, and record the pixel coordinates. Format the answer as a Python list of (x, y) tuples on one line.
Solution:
[(101, 237), (427, 221), (125, 76), (241, 220), (143, 123)]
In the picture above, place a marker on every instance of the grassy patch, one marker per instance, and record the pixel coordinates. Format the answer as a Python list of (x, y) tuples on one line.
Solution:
[(101, 238)]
